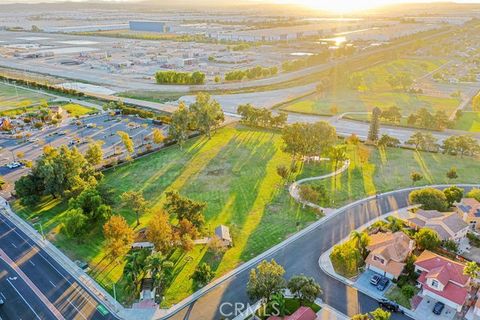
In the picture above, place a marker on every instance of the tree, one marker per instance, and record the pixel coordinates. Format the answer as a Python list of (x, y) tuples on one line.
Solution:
[(361, 316), (374, 129), (308, 193), (380, 314), (94, 153), (474, 193), (207, 114), (451, 245), (185, 208), (74, 223), (416, 139), (453, 194), (306, 139), (180, 124), (388, 141), (118, 236), (158, 136), (430, 199), (452, 173), (127, 141), (135, 201), (471, 269), (283, 172), (415, 176), (160, 233), (361, 240), (266, 280), (304, 288), (427, 239), (408, 291), (337, 154), (203, 274), (217, 247)]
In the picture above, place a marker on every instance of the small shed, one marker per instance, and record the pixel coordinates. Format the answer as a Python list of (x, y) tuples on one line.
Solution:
[(223, 233)]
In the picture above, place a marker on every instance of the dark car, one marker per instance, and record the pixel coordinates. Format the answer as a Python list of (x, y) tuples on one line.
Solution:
[(375, 279), (382, 284), (389, 305), (438, 308)]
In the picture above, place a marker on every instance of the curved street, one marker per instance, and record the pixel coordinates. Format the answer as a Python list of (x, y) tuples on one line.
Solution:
[(301, 256)]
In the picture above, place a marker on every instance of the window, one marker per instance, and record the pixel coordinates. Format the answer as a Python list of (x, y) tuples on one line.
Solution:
[(377, 258), (435, 283)]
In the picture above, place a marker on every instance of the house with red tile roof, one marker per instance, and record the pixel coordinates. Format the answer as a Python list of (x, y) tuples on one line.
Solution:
[(442, 279), (388, 252), (302, 313)]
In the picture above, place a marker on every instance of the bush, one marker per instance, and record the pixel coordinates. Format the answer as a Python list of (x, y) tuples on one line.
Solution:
[(408, 291)]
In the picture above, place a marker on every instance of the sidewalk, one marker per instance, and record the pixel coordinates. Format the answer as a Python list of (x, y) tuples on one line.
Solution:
[(326, 265)]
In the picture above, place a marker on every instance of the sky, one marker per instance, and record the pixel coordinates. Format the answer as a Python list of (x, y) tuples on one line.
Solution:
[(331, 5)]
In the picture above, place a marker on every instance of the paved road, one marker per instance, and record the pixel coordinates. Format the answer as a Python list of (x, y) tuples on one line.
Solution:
[(47, 281), (20, 301), (301, 256)]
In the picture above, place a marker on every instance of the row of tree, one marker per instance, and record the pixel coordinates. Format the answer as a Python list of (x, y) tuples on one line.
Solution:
[(435, 199), (176, 77), (425, 119), (204, 115), (261, 117), (252, 73)]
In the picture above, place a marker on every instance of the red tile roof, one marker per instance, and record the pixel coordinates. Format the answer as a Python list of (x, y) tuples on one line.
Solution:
[(433, 262), (302, 313), (451, 291)]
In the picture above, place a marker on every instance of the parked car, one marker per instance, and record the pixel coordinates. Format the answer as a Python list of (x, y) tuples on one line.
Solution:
[(383, 283), (375, 279), (389, 305), (438, 308), (13, 165)]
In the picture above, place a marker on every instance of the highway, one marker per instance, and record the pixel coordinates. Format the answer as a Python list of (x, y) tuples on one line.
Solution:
[(38, 287), (301, 256)]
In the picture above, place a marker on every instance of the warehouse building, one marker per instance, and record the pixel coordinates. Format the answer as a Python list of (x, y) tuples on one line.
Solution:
[(150, 26)]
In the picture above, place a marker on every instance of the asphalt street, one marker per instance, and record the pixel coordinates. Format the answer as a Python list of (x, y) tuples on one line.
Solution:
[(301, 257), (20, 300), (46, 277)]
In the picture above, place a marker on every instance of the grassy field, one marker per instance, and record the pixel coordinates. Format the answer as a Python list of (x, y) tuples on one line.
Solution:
[(379, 170), (9, 99), (75, 110), (469, 121), (234, 172), (154, 96), (376, 92)]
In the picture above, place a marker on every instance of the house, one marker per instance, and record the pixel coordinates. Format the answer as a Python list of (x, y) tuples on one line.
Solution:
[(449, 225), (223, 233), (388, 252), (442, 279), (57, 110), (302, 313), (469, 211)]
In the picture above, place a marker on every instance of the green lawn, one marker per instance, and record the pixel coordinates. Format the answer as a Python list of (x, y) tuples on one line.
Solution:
[(16, 97), (75, 110), (469, 121), (389, 169), (234, 172), (394, 293), (376, 92)]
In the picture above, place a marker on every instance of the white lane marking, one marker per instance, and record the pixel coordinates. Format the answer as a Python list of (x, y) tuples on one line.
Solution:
[(53, 284), (8, 280), (33, 264), (79, 312), (1, 294), (13, 244), (78, 288)]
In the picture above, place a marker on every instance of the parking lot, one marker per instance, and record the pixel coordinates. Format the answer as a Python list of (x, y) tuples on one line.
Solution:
[(77, 133)]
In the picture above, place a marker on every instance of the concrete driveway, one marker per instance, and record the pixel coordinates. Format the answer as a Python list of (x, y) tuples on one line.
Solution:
[(363, 283), (424, 311)]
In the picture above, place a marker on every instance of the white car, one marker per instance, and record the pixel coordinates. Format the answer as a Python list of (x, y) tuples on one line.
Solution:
[(13, 165)]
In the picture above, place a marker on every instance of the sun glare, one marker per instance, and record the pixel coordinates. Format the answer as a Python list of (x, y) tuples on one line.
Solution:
[(341, 6)]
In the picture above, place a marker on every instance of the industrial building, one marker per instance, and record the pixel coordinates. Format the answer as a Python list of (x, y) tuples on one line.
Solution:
[(150, 26)]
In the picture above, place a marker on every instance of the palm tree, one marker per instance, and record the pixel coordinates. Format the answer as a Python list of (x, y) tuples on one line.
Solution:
[(337, 154)]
